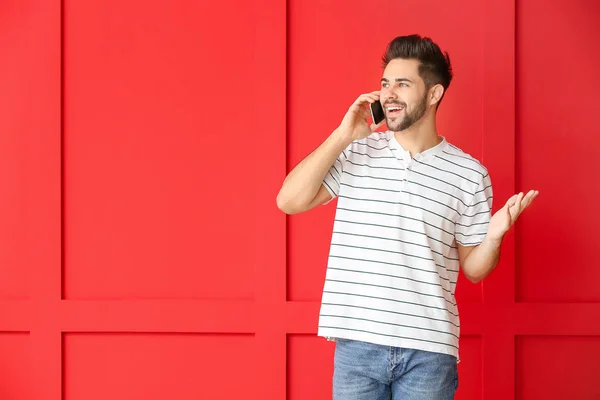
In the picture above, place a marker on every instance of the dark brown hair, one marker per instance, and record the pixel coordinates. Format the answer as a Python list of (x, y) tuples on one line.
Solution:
[(434, 65)]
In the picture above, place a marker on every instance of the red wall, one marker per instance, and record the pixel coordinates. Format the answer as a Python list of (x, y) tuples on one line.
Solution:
[(142, 145)]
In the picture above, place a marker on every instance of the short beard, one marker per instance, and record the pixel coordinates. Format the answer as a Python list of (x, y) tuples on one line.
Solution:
[(409, 118)]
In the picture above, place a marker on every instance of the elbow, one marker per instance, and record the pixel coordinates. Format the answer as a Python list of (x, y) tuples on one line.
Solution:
[(286, 205), (475, 277)]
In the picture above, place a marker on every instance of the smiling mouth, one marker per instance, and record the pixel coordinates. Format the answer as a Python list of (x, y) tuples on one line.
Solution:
[(394, 110)]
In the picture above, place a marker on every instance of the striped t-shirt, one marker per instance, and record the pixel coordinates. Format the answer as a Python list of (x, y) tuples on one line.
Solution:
[(393, 262)]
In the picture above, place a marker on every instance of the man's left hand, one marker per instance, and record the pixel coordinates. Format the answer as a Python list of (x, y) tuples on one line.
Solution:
[(503, 219)]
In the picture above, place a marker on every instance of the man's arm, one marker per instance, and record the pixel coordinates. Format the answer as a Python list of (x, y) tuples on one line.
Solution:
[(303, 188), (479, 261)]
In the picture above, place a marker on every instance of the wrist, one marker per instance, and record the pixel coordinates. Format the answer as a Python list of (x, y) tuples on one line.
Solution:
[(342, 137), (493, 240)]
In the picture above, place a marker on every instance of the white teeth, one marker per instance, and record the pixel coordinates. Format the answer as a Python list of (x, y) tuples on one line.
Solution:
[(394, 108)]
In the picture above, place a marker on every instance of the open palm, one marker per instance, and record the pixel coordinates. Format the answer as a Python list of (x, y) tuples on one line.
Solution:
[(504, 218)]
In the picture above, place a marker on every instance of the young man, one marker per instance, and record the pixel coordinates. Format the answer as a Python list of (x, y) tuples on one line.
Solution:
[(412, 209)]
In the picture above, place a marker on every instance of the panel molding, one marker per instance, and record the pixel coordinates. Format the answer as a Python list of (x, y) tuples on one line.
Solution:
[(499, 157), (206, 316), (270, 54)]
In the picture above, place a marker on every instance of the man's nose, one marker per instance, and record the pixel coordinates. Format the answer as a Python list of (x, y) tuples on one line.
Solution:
[(387, 96)]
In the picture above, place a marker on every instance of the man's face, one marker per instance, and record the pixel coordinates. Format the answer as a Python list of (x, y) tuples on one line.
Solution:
[(403, 94)]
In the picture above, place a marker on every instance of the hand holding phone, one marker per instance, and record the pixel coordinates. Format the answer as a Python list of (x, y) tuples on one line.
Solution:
[(355, 124)]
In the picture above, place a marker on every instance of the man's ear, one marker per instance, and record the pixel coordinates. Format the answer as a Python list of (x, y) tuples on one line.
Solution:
[(435, 94)]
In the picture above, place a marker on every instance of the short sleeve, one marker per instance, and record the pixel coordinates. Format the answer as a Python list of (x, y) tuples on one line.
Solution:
[(334, 176), (472, 225)]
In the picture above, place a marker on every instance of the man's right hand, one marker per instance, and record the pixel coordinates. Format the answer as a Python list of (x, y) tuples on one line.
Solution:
[(355, 123)]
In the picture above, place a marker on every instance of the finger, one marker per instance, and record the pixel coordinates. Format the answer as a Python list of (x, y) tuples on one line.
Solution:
[(511, 202), (525, 202), (366, 98), (516, 208), (365, 114), (527, 199), (360, 106), (530, 197), (374, 127), (370, 99), (519, 199)]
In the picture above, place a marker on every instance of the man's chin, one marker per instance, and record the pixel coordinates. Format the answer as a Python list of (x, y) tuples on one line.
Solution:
[(393, 125), (396, 127)]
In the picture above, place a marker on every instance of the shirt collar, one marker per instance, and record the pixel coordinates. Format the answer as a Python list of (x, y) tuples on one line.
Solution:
[(424, 155)]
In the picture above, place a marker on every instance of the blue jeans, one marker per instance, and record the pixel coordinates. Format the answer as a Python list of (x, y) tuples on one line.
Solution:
[(365, 371)]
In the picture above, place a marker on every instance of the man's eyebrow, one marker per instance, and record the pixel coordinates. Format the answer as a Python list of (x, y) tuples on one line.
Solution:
[(397, 80)]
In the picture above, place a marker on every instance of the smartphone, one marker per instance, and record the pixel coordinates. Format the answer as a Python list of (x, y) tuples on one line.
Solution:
[(377, 112)]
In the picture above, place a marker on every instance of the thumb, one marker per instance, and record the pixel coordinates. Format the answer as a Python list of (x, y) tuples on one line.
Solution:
[(374, 127)]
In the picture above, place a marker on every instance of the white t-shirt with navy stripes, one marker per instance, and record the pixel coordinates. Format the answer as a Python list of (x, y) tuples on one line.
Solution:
[(393, 262)]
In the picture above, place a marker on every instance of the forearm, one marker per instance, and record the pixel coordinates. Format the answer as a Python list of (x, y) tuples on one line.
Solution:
[(304, 181), (482, 260)]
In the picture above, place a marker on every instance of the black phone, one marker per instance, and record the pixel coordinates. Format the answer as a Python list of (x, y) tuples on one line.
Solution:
[(377, 112)]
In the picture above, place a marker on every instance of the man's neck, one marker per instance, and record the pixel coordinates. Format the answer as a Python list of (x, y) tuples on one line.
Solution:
[(419, 137)]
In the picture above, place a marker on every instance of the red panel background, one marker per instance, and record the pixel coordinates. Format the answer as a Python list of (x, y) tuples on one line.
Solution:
[(553, 368), (142, 146), (15, 368), (557, 149), (152, 175), (142, 366)]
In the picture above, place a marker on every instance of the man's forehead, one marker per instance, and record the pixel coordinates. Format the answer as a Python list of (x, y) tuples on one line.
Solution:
[(403, 62), (400, 68)]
